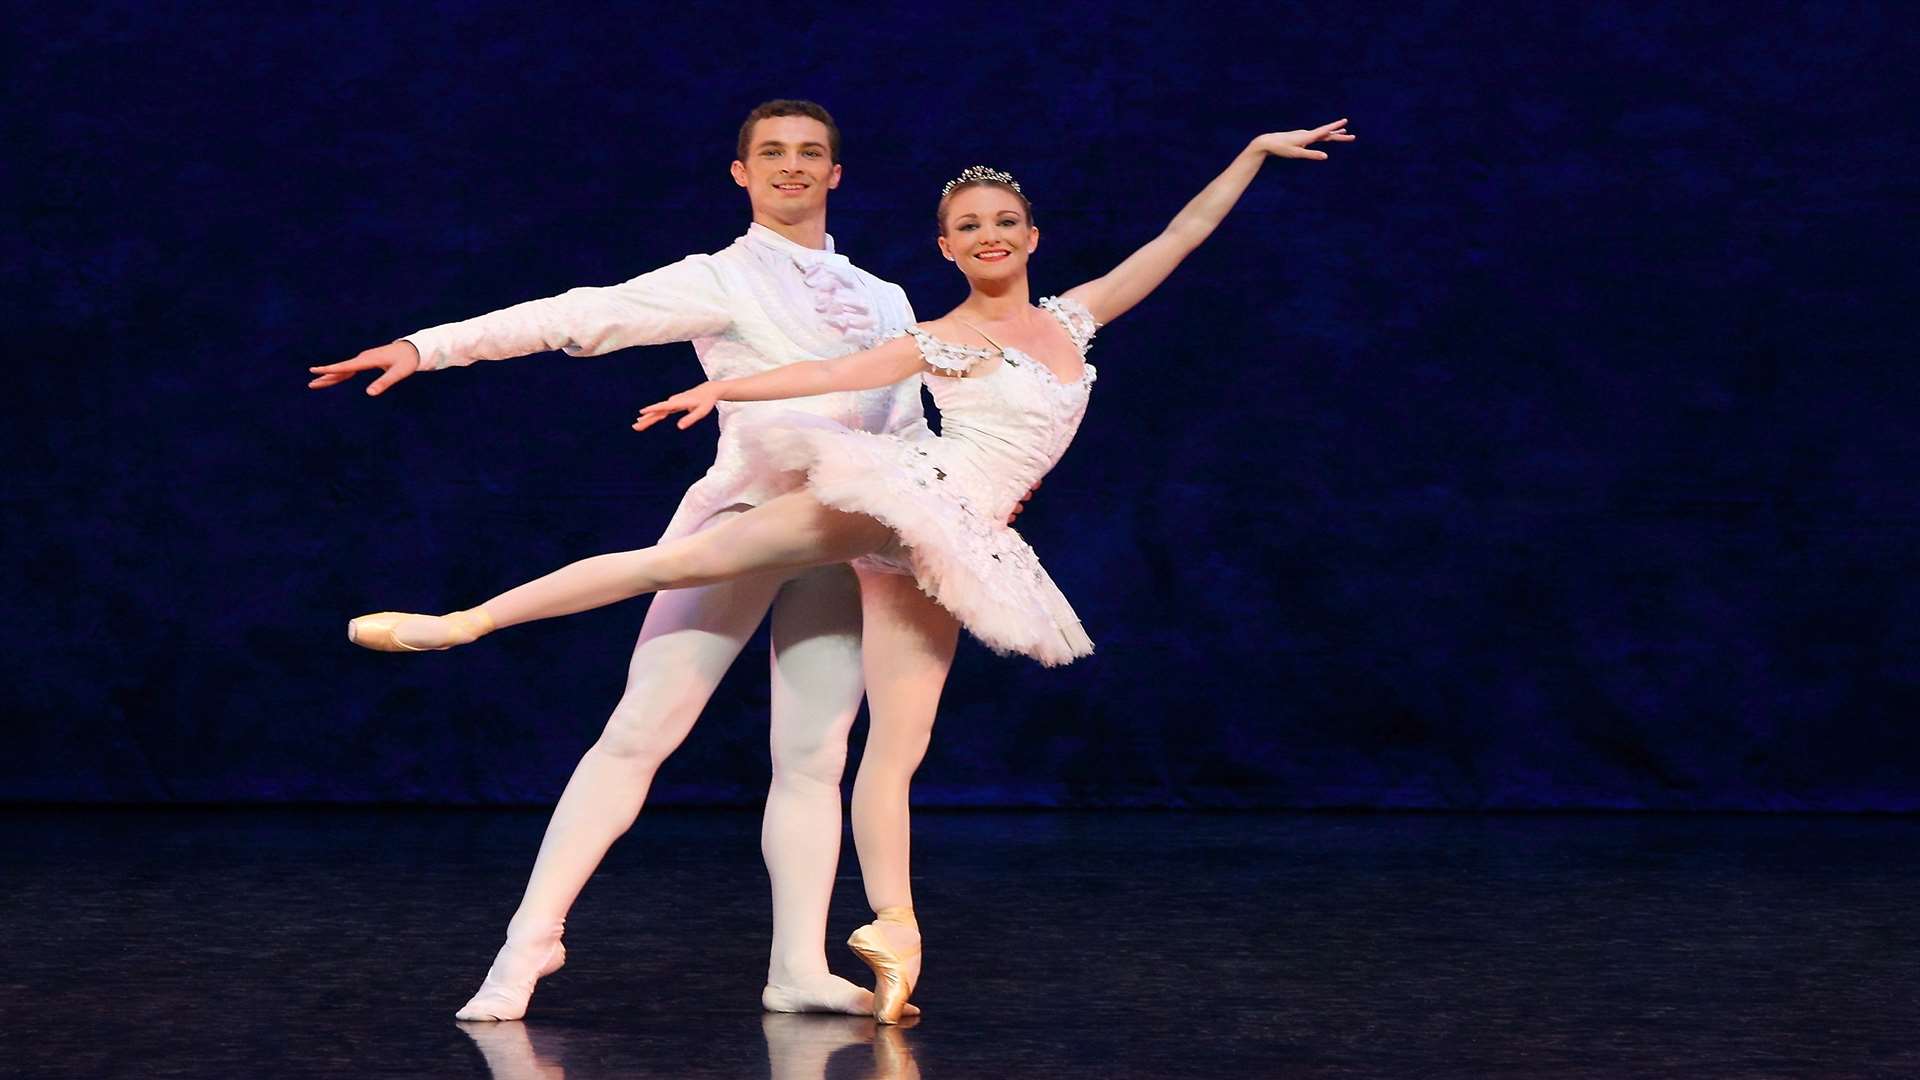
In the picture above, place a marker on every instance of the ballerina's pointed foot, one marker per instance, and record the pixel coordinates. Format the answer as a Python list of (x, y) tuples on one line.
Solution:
[(823, 994), (504, 993), (890, 945), (401, 631)]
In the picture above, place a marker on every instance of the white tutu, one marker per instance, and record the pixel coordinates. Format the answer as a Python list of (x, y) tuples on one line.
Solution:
[(971, 562)]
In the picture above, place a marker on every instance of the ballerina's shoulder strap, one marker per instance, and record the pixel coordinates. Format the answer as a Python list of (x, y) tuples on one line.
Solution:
[(1075, 317), (944, 356)]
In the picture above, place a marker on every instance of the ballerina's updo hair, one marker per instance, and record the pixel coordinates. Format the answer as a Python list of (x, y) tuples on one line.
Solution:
[(979, 176)]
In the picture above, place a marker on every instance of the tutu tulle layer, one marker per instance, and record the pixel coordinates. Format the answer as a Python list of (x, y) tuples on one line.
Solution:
[(976, 567)]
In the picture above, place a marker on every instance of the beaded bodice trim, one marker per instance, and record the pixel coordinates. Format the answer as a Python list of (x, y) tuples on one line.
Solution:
[(946, 357), (1075, 317), (955, 360)]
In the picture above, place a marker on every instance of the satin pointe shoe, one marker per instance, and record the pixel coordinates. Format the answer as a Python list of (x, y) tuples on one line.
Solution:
[(377, 631), (504, 993), (891, 984)]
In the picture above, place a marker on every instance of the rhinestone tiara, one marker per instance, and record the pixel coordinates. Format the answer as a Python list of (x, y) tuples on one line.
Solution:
[(980, 172)]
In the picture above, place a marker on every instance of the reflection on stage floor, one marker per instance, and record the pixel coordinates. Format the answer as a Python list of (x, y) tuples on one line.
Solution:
[(338, 943)]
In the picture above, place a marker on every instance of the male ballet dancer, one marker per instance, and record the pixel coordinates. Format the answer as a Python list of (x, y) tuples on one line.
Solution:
[(778, 294)]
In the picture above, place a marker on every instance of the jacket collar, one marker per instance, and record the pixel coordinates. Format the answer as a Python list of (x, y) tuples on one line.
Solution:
[(760, 234)]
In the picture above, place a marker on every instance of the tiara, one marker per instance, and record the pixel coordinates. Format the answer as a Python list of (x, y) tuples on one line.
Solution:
[(973, 173)]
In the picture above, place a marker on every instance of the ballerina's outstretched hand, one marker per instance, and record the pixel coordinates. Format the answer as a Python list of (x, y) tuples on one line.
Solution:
[(696, 403), (1115, 293), (1294, 144)]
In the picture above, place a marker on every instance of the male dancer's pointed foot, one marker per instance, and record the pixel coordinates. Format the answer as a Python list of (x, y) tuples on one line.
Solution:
[(401, 631), (890, 945), (504, 993), (826, 993)]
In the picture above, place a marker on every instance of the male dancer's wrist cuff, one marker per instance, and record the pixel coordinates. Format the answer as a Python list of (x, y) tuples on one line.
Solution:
[(433, 355)]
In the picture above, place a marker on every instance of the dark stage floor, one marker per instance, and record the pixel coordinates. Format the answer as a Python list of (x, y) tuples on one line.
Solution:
[(256, 943)]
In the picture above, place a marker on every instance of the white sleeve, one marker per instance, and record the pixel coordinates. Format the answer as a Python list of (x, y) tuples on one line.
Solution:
[(680, 302)]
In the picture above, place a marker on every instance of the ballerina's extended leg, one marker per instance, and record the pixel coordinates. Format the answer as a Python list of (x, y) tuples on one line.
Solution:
[(787, 533)]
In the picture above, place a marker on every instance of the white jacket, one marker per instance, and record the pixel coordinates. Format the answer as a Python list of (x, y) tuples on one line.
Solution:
[(762, 302)]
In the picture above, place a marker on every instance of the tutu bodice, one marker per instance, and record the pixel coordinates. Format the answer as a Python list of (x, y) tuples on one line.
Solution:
[(1005, 425), (1005, 420)]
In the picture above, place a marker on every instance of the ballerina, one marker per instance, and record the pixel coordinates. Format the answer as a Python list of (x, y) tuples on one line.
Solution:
[(922, 521)]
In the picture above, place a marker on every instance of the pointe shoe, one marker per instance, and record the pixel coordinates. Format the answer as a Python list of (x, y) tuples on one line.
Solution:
[(503, 994), (892, 985), (377, 631)]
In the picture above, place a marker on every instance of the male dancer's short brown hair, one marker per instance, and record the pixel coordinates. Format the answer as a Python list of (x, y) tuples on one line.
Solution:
[(789, 107)]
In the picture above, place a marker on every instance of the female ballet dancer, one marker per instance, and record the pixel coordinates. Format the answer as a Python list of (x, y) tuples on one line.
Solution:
[(923, 522)]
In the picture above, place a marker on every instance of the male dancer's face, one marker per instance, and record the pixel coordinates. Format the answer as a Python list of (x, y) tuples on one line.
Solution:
[(788, 169)]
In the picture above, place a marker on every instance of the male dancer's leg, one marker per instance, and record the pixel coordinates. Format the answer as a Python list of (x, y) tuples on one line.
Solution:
[(688, 640), (907, 650), (817, 686)]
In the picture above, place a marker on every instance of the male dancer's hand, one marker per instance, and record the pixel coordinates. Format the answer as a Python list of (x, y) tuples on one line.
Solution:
[(395, 361)]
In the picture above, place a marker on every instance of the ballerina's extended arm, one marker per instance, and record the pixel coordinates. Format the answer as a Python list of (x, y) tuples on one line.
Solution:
[(1112, 295), (882, 365)]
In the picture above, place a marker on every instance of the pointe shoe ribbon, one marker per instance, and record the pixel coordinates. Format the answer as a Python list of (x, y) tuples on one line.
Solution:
[(379, 630), (892, 985)]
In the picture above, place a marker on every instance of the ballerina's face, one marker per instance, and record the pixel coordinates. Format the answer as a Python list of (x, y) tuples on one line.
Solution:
[(987, 233)]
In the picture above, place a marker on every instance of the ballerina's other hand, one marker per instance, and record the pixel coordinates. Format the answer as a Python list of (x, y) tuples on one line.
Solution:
[(696, 403), (1293, 144)]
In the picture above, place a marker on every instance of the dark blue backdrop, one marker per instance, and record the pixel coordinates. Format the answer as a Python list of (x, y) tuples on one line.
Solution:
[(1551, 446)]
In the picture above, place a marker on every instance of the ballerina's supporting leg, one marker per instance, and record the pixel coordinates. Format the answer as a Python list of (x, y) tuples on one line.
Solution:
[(907, 650), (786, 533)]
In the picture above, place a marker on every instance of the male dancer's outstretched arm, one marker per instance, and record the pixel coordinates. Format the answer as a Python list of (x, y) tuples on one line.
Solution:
[(680, 302)]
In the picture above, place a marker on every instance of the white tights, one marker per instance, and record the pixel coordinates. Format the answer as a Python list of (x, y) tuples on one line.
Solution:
[(722, 581)]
